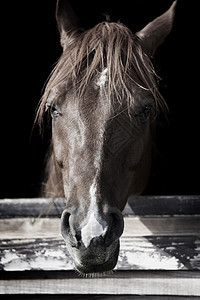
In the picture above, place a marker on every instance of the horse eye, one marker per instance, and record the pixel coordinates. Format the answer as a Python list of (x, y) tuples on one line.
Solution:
[(147, 109), (145, 112), (53, 110)]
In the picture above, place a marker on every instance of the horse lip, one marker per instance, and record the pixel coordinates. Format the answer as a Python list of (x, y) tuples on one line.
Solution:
[(102, 267)]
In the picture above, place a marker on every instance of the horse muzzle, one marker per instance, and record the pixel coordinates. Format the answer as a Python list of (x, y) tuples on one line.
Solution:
[(93, 245), (95, 259)]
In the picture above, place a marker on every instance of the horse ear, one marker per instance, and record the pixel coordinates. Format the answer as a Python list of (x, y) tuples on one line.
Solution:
[(154, 33), (68, 23)]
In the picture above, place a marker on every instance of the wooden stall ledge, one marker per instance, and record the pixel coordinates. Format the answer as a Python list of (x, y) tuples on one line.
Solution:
[(159, 250)]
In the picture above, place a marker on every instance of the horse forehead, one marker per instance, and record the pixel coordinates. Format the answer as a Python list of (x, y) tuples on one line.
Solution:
[(102, 78)]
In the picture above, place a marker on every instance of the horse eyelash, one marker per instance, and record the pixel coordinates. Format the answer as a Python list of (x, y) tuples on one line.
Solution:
[(47, 106)]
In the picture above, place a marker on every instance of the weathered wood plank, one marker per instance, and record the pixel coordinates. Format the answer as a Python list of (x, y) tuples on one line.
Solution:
[(134, 226), (29, 228), (95, 297), (160, 253), (139, 253), (14, 208), (161, 233), (170, 242), (142, 226), (164, 205), (143, 205), (125, 283)]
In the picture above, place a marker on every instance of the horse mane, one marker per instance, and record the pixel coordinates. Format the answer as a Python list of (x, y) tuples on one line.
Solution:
[(107, 45)]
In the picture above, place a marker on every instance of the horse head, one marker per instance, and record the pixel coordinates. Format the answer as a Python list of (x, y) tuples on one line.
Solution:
[(103, 100)]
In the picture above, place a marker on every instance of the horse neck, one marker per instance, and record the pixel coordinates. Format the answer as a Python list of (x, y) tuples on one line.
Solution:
[(52, 186)]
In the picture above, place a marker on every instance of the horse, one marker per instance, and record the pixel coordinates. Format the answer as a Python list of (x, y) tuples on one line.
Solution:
[(103, 99)]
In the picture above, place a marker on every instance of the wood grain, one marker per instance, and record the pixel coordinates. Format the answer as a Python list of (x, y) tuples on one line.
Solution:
[(134, 226), (136, 253), (125, 283), (140, 206), (159, 251)]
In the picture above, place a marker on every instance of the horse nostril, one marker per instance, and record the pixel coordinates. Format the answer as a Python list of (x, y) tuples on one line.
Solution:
[(78, 237), (68, 231), (115, 228), (117, 225), (65, 227)]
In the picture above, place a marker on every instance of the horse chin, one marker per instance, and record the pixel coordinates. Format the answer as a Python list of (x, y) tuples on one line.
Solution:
[(99, 265)]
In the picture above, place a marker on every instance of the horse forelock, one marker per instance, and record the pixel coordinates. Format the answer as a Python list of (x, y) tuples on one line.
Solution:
[(110, 46)]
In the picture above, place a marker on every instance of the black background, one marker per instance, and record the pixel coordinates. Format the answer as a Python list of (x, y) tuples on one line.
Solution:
[(30, 46)]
